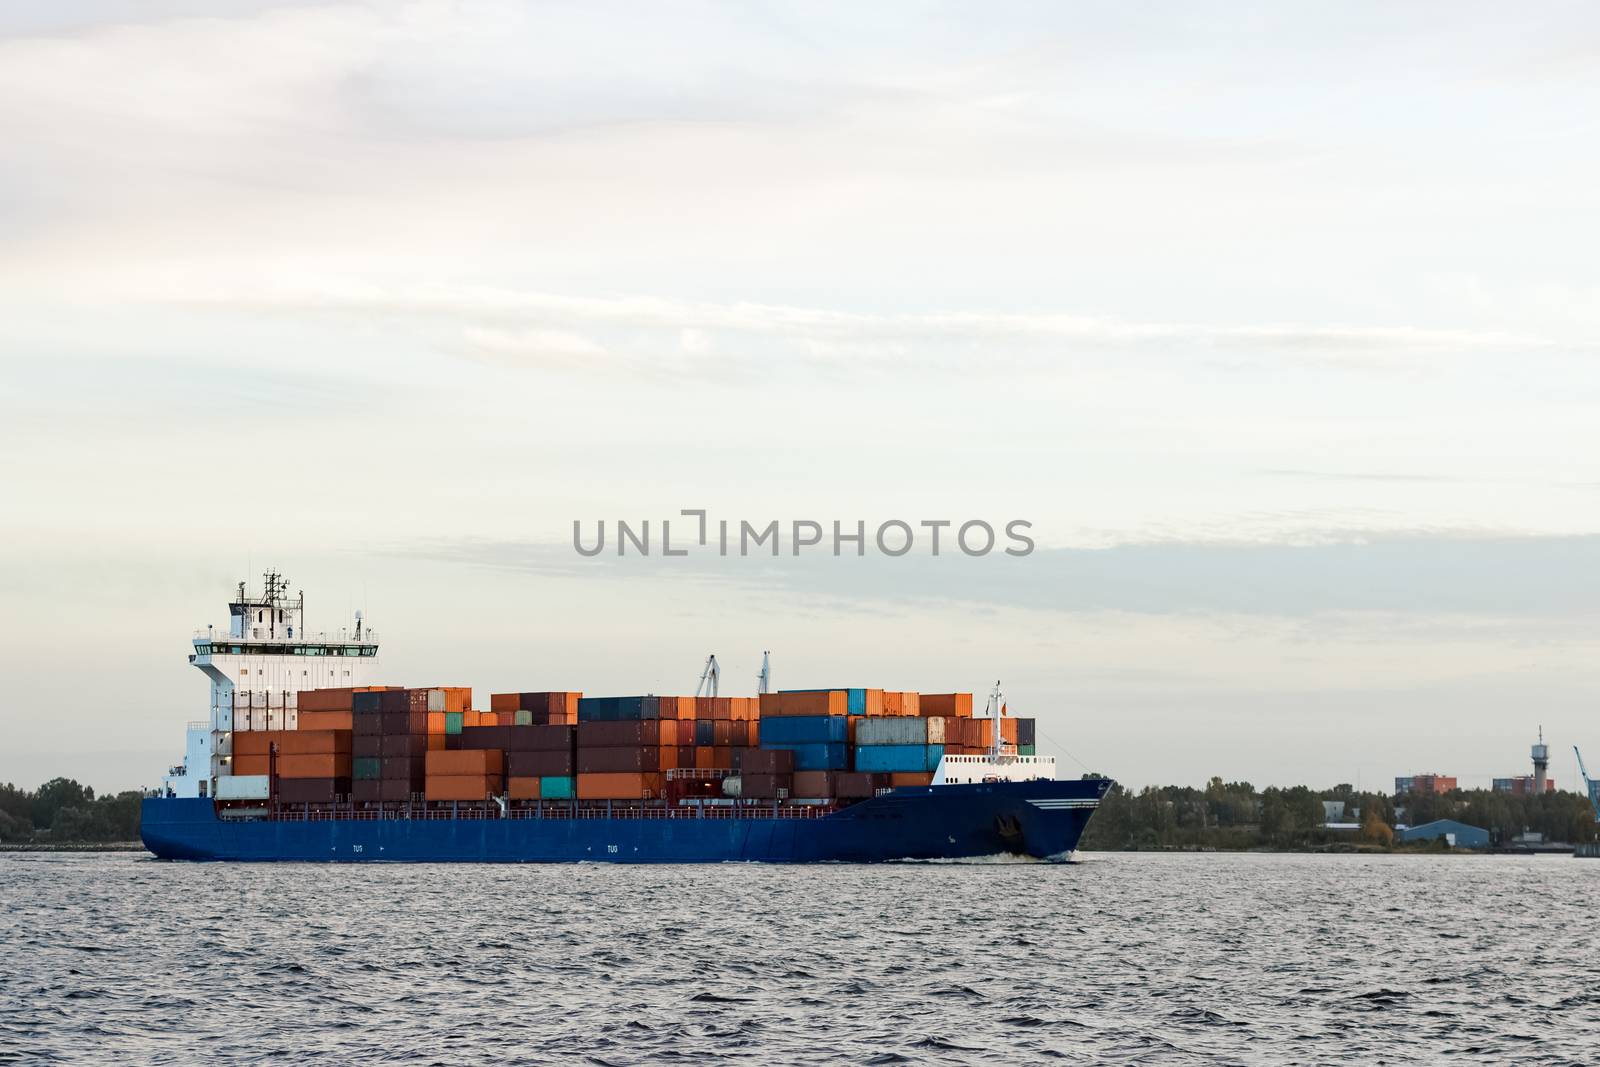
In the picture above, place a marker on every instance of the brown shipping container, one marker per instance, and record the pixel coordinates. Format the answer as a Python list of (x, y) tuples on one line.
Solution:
[(768, 761), (324, 699), (317, 721), (764, 786), (635, 758), (686, 728), (486, 737), (366, 790), (398, 789), (900, 778), (312, 790), (822, 702), (366, 746), (547, 764), (404, 745), (622, 786), (461, 786), (505, 701), (465, 761), (404, 767), (946, 704), (705, 758), (317, 766), (855, 785), (541, 738), (739, 733), (891, 702), (646, 732), (522, 788), (813, 784)]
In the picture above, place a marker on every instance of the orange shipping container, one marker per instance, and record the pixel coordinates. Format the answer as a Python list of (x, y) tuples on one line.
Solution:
[(461, 786), (910, 778), (291, 742), (621, 786), (891, 702), (436, 722), (251, 764), (321, 766), (478, 761), (705, 758), (505, 701), (911, 704), (436, 742), (324, 720), (522, 788)]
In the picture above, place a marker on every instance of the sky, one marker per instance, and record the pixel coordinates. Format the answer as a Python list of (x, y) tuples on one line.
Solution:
[(1278, 325)]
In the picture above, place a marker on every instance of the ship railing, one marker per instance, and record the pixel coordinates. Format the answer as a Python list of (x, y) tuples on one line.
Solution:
[(320, 637), (554, 810)]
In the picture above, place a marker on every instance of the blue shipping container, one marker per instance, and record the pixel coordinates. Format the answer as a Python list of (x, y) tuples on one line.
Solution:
[(834, 757), (884, 759), (786, 730)]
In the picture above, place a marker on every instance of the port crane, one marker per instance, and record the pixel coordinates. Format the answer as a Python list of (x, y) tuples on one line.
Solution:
[(709, 678), (1592, 784)]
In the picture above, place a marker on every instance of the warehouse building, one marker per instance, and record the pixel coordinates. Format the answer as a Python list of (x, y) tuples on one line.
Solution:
[(1457, 834)]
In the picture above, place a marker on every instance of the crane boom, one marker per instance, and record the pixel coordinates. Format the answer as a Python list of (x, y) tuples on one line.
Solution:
[(1591, 784), (709, 676)]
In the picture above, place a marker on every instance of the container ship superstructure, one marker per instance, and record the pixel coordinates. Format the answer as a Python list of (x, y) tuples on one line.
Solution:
[(307, 755)]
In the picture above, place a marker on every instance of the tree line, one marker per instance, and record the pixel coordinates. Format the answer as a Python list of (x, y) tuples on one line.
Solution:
[(62, 811), (1235, 815)]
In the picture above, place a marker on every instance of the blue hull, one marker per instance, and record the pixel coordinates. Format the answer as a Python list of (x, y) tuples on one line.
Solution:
[(1042, 819)]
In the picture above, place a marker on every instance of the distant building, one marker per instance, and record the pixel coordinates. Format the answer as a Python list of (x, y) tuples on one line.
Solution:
[(1524, 785), (1332, 811), (1424, 783), (1458, 834)]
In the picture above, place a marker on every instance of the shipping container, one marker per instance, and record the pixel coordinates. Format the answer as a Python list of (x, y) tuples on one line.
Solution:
[(1027, 750), (439, 787), (608, 734), (403, 745), (466, 761), (366, 790), (486, 737), (292, 742), (901, 778), (943, 704), (619, 786), (314, 766), (541, 738), (367, 703), (764, 786), (366, 746), (404, 767), (900, 731), (518, 788), (766, 760), (366, 767), (399, 789), (540, 764), (609, 760), (830, 757), (815, 785), (1027, 732), (249, 766), (453, 722), (559, 787), (317, 721), (898, 758), (312, 790), (804, 730), (243, 787), (817, 702), (856, 785)]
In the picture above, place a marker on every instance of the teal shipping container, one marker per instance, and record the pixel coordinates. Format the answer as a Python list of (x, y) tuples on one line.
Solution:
[(887, 759), (556, 789)]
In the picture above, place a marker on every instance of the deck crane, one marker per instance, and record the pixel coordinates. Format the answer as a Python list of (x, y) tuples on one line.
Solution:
[(764, 679), (708, 677), (1592, 784)]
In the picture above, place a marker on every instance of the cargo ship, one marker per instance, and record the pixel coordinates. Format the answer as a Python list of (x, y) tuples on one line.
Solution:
[(306, 755)]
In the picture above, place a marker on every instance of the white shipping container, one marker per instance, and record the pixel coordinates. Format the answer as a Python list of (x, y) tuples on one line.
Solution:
[(243, 787), (898, 730), (436, 700)]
